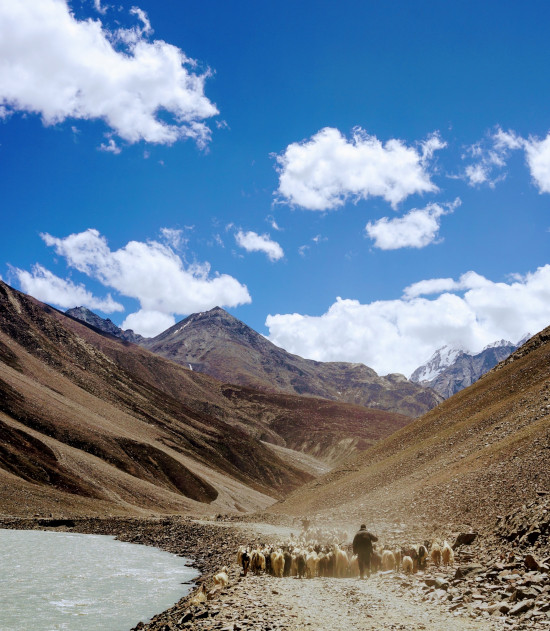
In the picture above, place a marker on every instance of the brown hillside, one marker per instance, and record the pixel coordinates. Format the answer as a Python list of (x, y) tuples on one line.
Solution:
[(480, 454), (216, 343), (91, 424)]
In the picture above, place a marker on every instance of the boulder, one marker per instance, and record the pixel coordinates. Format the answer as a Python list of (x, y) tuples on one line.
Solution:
[(471, 569), (521, 607), (464, 539)]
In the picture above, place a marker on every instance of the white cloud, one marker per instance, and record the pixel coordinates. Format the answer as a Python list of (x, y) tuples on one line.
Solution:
[(493, 152), (47, 287), (253, 242), (59, 67), (148, 323), (150, 272), (174, 237), (273, 223), (399, 335), (99, 8), (417, 229), (537, 153), (325, 171), (110, 147), (490, 157), (469, 280)]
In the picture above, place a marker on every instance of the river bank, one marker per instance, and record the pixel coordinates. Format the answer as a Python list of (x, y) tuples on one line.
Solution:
[(497, 589), (208, 546)]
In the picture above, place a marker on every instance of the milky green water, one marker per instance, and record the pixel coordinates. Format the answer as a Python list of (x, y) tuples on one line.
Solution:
[(64, 581)]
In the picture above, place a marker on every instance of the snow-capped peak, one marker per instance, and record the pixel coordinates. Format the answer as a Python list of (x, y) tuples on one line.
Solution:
[(441, 359), (498, 344)]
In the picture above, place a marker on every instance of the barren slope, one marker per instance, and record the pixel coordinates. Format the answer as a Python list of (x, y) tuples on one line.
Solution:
[(482, 453), (93, 424), (216, 343)]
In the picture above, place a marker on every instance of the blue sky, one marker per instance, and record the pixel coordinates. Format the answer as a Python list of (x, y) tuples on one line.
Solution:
[(358, 181)]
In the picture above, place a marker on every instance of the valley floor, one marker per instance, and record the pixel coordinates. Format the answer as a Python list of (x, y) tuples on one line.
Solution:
[(265, 603)]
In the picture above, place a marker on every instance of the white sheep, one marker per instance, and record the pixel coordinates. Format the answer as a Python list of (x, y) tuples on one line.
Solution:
[(407, 565), (200, 597), (447, 554), (277, 563), (341, 562), (312, 564), (221, 578), (435, 553), (388, 560)]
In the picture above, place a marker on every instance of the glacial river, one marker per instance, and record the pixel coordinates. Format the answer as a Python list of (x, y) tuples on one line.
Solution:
[(64, 581)]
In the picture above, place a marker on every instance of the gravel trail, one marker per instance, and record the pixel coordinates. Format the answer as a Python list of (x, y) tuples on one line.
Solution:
[(267, 603)]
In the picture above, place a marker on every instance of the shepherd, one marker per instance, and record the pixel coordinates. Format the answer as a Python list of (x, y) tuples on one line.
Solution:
[(362, 547)]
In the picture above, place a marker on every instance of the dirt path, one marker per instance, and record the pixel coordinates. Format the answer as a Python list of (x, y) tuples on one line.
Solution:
[(328, 604)]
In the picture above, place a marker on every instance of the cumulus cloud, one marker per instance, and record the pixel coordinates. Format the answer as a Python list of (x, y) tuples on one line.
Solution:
[(59, 67), (148, 323), (322, 173), (152, 273), (47, 287), (469, 280), (253, 242), (537, 153), (417, 229), (398, 335)]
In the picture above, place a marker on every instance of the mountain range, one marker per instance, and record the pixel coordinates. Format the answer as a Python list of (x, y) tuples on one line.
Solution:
[(218, 344), (95, 425), (450, 370), (481, 454), (92, 424)]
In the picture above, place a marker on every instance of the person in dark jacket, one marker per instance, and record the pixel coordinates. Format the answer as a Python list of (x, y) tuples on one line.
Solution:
[(362, 547)]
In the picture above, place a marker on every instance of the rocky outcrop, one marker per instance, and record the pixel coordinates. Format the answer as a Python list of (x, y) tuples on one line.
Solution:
[(216, 343), (104, 324)]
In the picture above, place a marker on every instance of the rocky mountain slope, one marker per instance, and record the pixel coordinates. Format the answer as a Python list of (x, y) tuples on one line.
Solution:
[(450, 370), (103, 324), (92, 424), (216, 343), (482, 453)]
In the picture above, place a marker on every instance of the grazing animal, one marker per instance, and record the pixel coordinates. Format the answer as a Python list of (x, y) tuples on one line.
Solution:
[(407, 565), (312, 564), (257, 562), (288, 562), (221, 578), (341, 562), (422, 557), (397, 557), (447, 554), (200, 597), (301, 564), (375, 561), (435, 554), (412, 553), (388, 560), (278, 564)]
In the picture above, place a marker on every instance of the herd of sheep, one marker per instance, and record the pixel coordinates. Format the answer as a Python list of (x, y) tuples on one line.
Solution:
[(319, 552)]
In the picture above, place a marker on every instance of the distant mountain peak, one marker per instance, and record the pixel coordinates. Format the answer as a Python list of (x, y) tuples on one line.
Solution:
[(442, 358), (498, 344), (217, 343), (450, 370), (103, 324)]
